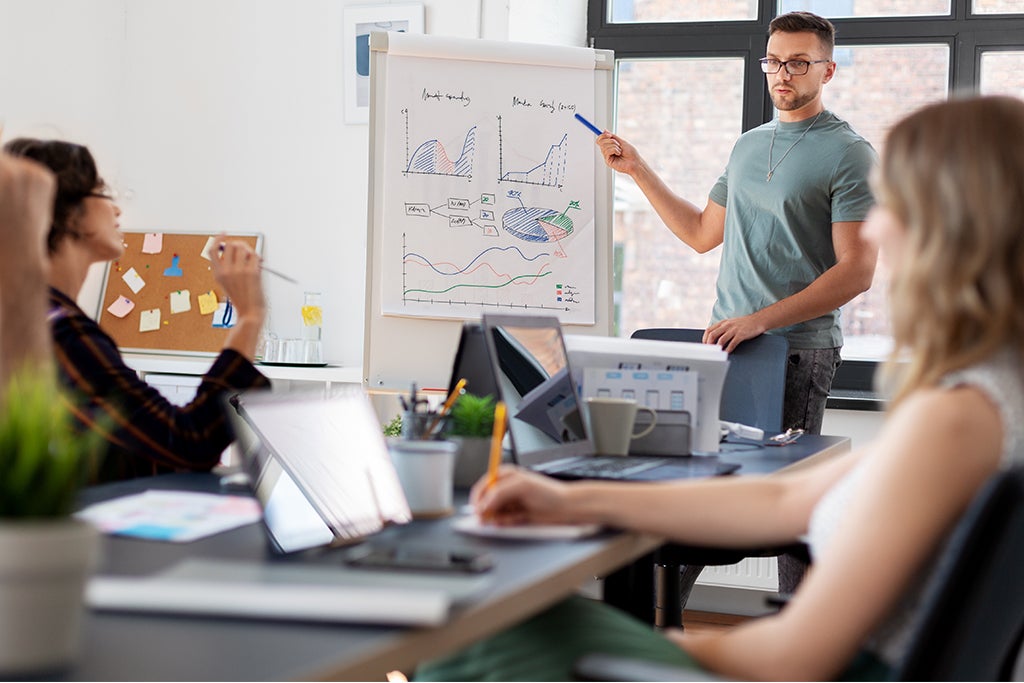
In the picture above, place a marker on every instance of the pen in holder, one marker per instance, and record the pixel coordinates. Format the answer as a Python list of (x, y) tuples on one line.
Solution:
[(417, 421)]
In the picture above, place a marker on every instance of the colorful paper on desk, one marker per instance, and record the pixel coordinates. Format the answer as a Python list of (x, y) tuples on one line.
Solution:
[(178, 516)]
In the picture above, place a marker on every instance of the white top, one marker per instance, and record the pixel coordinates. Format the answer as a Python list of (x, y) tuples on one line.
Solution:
[(1002, 379)]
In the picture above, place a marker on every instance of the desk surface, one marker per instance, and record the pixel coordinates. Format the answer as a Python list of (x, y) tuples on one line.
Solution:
[(527, 578)]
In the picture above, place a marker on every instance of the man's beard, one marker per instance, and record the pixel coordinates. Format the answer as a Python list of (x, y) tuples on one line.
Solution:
[(791, 103)]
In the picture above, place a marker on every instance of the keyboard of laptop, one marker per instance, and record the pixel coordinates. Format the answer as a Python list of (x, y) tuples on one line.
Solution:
[(605, 467)]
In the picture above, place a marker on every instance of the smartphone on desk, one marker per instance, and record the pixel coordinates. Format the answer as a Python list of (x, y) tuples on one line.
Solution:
[(418, 557)]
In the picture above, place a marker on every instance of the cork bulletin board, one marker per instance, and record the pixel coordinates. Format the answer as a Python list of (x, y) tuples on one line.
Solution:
[(160, 296)]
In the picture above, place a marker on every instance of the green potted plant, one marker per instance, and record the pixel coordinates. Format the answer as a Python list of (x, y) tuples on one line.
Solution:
[(471, 422), (45, 553)]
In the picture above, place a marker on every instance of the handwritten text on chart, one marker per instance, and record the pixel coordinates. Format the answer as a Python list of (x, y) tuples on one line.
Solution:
[(568, 294), (439, 95), (550, 105)]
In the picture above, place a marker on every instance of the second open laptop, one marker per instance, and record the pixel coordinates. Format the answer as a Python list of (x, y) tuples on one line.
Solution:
[(531, 368), (319, 467)]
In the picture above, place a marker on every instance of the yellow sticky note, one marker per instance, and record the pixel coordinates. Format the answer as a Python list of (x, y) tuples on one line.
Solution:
[(207, 302), (181, 301)]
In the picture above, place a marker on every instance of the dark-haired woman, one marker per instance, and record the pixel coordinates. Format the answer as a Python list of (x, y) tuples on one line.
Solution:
[(147, 434)]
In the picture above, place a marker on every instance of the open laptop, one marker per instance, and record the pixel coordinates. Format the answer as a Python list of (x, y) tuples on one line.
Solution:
[(319, 467), (541, 393), (321, 473)]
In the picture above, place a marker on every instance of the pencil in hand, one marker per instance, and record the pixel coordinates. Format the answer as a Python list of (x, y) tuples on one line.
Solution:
[(497, 436)]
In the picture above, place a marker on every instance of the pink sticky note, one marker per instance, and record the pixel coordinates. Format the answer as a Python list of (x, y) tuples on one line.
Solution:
[(153, 243), (121, 307)]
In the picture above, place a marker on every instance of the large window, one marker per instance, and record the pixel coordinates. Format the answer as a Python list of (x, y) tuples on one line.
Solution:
[(688, 84)]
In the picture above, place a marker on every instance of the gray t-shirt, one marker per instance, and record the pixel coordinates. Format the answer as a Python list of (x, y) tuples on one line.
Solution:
[(778, 234)]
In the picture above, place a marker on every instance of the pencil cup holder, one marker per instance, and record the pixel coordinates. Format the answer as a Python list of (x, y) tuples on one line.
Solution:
[(425, 469), (416, 425)]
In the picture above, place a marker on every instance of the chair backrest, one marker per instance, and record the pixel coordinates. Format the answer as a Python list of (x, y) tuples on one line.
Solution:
[(973, 616), (756, 381)]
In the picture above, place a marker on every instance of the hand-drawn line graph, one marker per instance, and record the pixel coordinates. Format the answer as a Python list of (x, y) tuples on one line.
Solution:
[(493, 268), (548, 173), (431, 157)]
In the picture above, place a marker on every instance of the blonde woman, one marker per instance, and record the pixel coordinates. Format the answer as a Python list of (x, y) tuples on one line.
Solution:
[(950, 193)]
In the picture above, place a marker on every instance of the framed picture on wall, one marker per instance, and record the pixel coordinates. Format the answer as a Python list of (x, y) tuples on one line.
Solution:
[(360, 20)]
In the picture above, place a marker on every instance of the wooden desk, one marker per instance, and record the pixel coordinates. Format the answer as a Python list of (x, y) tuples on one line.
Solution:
[(528, 577)]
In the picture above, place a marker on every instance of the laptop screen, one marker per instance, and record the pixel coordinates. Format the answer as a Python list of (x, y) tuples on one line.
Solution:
[(319, 467), (532, 371)]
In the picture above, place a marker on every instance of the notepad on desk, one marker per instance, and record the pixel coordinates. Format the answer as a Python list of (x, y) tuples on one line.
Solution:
[(281, 592)]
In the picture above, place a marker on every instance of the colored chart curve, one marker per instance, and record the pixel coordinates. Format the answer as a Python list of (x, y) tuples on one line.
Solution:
[(431, 158)]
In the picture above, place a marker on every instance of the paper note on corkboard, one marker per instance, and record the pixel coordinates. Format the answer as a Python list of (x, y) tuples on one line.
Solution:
[(167, 272)]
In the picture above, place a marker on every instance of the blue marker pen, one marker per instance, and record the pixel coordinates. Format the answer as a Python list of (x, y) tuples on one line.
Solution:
[(588, 124)]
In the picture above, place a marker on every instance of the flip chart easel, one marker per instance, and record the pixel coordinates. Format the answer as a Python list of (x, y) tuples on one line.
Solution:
[(454, 157)]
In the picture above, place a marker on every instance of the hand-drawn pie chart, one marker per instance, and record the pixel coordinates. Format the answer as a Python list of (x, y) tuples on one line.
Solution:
[(537, 224)]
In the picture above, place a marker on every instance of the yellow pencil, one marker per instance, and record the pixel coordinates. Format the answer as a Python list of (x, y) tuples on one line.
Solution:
[(496, 438), (448, 403)]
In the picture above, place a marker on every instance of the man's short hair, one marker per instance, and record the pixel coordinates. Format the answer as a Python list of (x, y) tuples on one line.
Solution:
[(797, 22)]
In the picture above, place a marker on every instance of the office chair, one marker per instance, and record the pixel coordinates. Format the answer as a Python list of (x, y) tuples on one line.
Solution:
[(972, 615), (755, 383), (752, 394)]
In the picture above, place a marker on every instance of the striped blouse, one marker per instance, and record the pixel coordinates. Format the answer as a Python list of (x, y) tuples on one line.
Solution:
[(146, 433)]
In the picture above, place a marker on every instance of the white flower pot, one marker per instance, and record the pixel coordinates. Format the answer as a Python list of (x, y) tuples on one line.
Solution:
[(43, 568)]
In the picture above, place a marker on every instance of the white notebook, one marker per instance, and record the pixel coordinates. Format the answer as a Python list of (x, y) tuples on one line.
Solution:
[(257, 590), (471, 524)]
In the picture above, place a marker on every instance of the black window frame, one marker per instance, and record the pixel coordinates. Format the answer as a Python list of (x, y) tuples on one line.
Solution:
[(967, 36)]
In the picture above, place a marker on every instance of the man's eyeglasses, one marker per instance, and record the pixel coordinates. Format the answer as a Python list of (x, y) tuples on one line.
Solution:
[(794, 67)]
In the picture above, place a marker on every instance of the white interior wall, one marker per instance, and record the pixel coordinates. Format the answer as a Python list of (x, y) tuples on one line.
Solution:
[(218, 114), (211, 114)]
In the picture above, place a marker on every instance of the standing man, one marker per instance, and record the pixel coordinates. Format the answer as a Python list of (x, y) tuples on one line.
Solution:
[(788, 208)]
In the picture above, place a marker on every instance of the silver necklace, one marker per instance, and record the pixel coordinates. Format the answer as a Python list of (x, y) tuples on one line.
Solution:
[(771, 146)]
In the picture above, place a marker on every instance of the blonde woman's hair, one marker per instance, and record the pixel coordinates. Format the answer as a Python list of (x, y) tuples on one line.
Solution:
[(953, 174)]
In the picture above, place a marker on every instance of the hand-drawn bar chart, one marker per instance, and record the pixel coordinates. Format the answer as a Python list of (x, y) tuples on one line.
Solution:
[(549, 172)]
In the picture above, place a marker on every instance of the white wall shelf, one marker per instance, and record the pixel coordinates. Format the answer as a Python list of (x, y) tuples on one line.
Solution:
[(284, 377)]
